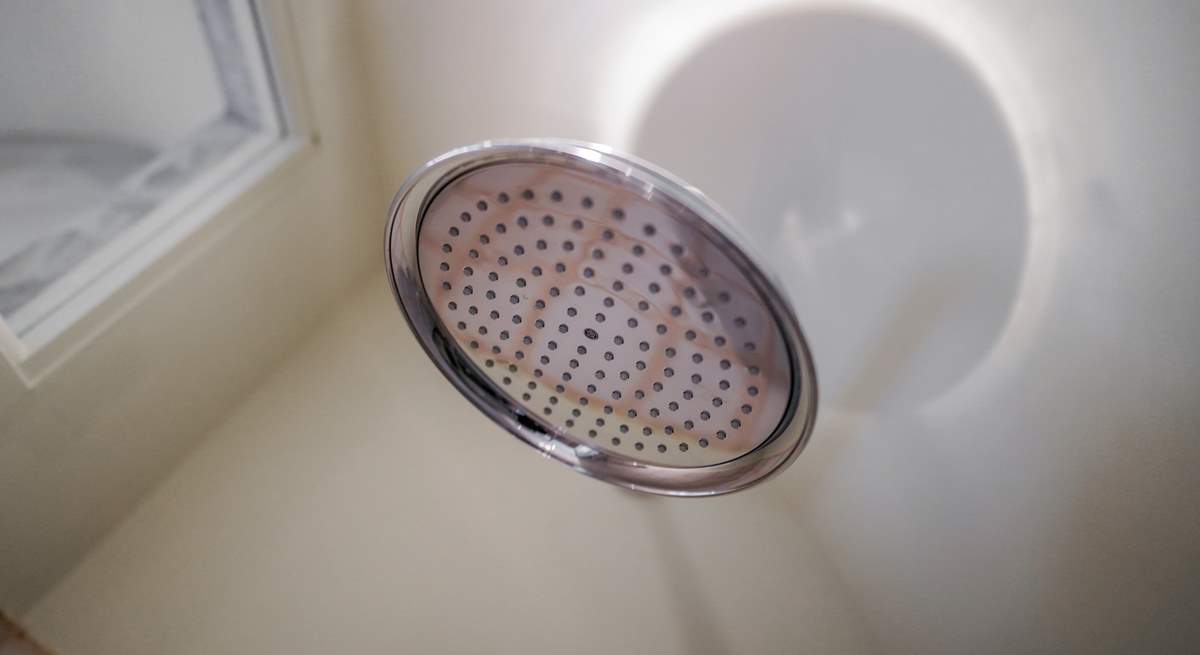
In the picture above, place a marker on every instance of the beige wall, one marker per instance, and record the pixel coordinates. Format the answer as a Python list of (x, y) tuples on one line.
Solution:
[(356, 503), (1049, 506), (79, 449), (352, 501)]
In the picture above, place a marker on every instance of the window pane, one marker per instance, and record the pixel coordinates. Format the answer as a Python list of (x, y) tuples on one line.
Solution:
[(108, 108)]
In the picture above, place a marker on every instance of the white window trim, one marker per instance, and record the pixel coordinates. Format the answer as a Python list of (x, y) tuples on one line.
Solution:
[(73, 310)]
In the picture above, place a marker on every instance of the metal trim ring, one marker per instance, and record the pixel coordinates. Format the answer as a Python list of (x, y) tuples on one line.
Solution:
[(408, 208)]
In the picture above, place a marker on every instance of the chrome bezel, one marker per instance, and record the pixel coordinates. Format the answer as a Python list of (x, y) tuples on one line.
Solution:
[(408, 208)]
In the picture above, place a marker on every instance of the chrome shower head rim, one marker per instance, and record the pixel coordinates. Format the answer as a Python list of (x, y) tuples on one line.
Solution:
[(407, 211)]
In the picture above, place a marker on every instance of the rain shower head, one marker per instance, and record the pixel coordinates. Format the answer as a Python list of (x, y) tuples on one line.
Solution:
[(603, 312)]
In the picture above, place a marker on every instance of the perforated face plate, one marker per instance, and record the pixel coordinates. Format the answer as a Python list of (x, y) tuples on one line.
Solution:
[(605, 313)]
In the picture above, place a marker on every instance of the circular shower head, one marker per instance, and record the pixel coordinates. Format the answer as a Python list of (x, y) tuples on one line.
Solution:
[(603, 312)]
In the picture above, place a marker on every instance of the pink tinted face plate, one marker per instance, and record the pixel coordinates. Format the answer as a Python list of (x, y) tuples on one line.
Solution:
[(602, 313)]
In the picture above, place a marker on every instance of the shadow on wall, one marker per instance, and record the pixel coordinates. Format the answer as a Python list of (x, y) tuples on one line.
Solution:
[(878, 178), (15, 641), (876, 174)]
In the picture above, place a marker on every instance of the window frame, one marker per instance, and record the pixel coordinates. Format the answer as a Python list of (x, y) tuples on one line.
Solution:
[(71, 311)]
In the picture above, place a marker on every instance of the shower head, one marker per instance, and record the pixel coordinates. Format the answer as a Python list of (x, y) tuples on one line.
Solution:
[(603, 312)]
